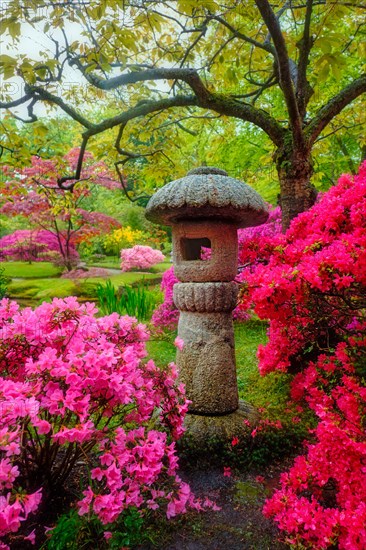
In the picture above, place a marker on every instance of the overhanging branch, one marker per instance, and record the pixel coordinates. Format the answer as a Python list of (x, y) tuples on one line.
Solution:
[(190, 76), (334, 107), (39, 93)]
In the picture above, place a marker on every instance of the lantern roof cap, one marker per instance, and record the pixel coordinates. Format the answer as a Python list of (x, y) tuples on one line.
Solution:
[(207, 193)]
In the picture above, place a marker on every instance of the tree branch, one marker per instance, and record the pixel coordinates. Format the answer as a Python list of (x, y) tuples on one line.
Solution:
[(32, 116), (141, 109), (283, 61), (15, 103), (79, 167), (228, 106), (141, 198), (334, 107), (190, 76), (305, 44), (39, 93), (237, 34)]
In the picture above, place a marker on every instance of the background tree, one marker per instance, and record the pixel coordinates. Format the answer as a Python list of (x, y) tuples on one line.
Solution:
[(289, 68), (34, 194), (31, 246)]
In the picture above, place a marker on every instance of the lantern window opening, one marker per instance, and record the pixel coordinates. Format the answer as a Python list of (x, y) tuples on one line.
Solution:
[(195, 249)]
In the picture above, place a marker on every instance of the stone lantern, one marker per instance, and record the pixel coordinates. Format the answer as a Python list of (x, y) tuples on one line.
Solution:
[(205, 209)]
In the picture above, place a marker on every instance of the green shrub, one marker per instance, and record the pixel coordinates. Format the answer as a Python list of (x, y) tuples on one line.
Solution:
[(3, 283), (73, 532)]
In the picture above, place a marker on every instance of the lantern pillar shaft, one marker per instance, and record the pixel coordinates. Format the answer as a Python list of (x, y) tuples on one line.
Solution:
[(207, 360)]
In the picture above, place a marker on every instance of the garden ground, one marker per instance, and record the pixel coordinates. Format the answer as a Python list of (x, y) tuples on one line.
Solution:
[(238, 525)]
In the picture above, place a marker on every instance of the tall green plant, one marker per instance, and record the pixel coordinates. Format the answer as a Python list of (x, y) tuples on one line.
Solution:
[(3, 283), (135, 301)]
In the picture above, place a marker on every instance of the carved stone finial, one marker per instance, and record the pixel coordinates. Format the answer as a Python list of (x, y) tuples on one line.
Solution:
[(207, 170)]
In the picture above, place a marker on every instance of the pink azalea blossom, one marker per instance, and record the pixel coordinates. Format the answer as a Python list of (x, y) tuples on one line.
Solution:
[(179, 343)]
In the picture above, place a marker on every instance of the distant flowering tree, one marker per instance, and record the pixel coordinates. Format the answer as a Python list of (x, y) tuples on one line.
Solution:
[(35, 193), (75, 385), (311, 285), (140, 257), (32, 246)]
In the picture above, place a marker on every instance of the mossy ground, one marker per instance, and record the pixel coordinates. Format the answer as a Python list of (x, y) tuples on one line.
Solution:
[(32, 283)]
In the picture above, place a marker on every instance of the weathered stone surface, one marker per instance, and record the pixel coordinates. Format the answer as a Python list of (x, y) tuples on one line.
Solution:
[(222, 266), (207, 195), (202, 430), (205, 297), (205, 209), (207, 362), (207, 170)]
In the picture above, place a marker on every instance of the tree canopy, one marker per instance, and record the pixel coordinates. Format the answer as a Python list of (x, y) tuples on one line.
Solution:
[(153, 70)]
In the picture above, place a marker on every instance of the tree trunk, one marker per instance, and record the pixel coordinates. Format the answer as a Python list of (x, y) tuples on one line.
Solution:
[(297, 194)]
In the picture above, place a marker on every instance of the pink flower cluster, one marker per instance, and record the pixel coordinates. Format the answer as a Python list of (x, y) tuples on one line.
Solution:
[(316, 272), (140, 257), (322, 499), (166, 314), (75, 386), (311, 285)]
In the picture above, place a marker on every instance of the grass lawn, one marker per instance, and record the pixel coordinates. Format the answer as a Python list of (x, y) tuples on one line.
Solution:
[(160, 268), (270, 391), (111, 262), (38, 289), (30, 271)]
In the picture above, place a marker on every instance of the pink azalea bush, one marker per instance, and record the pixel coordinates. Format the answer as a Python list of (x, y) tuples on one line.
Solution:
[(166, 314), (140, 257), (256, 243), (77, 387), (311, 285)]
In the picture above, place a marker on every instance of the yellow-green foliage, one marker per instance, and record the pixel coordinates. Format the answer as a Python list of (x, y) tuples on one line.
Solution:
[(125, 237)]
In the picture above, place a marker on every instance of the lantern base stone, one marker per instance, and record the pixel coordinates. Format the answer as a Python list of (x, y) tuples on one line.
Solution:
[(202, 430)]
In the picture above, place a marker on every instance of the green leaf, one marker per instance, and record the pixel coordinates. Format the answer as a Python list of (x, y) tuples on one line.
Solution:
[(7, 59), (324, 44), (14, 29)]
